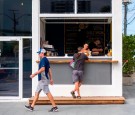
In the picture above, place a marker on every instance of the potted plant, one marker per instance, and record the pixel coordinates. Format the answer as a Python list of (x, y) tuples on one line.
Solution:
[(128, 58)]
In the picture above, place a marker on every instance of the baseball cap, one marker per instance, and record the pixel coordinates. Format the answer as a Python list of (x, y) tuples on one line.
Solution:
[(41, 51)]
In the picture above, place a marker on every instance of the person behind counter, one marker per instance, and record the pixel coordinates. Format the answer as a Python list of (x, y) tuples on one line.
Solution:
[(86, 49), (96, 48)]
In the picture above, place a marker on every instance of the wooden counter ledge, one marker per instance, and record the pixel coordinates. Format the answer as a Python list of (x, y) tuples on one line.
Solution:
[(89, 61)]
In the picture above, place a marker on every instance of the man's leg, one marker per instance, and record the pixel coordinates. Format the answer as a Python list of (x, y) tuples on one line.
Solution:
[(80, 84), (49, 95), (31, 107), (77, 85), (54, 107), (76, 89), (35, 99)]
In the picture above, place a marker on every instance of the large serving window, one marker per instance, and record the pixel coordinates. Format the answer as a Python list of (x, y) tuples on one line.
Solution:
[(65, 35)]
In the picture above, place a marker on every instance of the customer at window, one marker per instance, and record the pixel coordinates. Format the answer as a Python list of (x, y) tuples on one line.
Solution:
[(78, 72)]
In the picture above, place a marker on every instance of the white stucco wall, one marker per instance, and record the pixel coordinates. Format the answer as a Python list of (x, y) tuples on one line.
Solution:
[(86, 90)]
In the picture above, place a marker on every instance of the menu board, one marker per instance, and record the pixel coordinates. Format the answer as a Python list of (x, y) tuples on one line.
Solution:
[(71, 38), (76, 35), (96, 31)]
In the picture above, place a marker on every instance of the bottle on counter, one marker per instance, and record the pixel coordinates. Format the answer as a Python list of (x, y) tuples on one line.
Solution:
[(109, 53), (66, 55)]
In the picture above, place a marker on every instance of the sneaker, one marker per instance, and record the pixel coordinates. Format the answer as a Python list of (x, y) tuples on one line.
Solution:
[(29, 108), (79, 97), (73, 94), (54, 109)]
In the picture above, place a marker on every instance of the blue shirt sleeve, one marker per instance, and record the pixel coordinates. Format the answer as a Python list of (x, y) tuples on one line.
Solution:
[(42, 64)]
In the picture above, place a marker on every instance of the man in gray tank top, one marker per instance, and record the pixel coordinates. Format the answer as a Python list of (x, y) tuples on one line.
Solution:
[(78, 71)]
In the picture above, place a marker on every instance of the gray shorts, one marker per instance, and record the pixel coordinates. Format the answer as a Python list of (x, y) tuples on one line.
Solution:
[(43, 85), (77, 76)]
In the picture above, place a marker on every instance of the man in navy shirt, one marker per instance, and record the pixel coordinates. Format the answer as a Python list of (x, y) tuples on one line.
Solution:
[(44, 77)]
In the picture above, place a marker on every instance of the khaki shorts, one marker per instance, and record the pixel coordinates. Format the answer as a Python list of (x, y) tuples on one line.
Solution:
[(43, 85)]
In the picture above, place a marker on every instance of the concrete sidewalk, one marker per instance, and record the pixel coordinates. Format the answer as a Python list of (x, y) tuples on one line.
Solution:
[(17, 108)]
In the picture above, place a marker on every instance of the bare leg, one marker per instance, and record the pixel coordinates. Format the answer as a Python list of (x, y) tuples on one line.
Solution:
[(77, 85), (35, 99), (80, 84), (49, 95)]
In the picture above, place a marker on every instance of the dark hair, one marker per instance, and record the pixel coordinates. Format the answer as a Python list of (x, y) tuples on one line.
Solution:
[(79, 49)]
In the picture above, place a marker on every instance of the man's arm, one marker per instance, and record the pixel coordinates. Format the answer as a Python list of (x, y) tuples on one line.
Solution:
[(86, 57), (50, 76), (38, 72)]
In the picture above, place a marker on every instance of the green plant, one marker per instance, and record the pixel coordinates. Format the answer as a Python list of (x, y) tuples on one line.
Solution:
[(128, 54)]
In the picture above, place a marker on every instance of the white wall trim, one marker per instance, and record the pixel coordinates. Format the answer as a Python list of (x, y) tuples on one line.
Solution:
[(117, 46), (35, 39), (101, 16)]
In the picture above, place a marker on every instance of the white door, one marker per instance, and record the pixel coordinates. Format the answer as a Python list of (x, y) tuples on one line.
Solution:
[(10, 68)]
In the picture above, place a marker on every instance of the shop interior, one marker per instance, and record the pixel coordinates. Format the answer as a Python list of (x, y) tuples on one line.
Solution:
[(62, 37)]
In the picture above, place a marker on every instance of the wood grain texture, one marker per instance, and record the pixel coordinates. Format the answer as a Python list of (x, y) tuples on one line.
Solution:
[(88, 61), (83, 100)]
